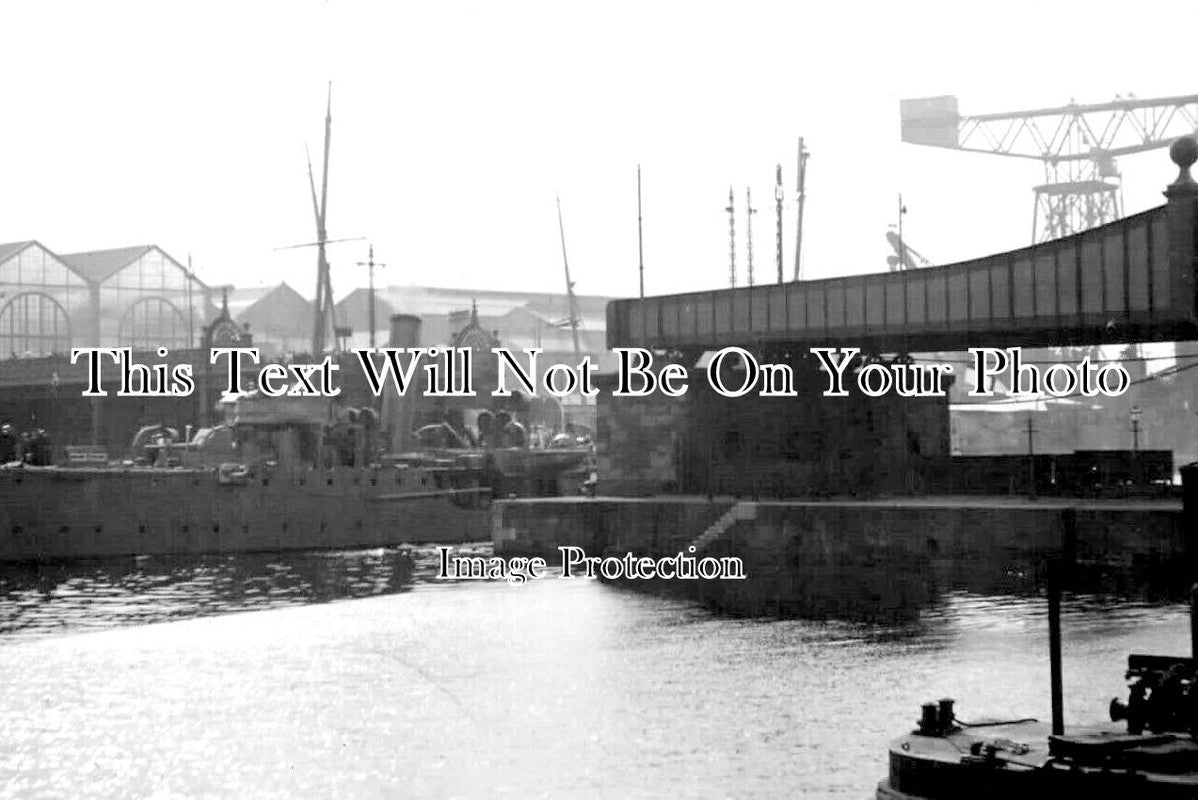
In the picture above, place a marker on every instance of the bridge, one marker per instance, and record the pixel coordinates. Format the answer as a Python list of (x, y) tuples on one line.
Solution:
[(1130, 281)]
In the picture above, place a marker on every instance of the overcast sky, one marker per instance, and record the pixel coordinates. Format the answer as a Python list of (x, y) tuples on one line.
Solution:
[(454, 125)]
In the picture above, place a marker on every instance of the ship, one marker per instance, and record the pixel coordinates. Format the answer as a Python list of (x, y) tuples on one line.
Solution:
[(1147, 750), (524, 446), (288, 473), (279, 474)]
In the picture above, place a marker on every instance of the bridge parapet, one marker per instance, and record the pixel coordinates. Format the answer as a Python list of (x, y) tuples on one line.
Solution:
[(1132, 280)]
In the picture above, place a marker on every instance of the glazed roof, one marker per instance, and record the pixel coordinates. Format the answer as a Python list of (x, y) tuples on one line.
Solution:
[(10, 249), (98, 265)]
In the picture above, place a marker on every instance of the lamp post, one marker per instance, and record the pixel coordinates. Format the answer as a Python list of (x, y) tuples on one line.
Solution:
[(1135, 429), (1031, 453), (1135, 445)]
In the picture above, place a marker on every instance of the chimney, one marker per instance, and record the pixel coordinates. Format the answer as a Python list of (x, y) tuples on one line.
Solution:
[(405, 331)]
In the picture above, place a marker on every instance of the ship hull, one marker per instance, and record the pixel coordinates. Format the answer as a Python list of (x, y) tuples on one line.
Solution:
[(60, 513)]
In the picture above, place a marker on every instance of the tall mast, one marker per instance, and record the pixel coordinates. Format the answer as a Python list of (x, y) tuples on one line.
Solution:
[(569, 284), (778, 202), (749, 212), (731, 209), (803, 154), (324, 285), (640, 234)]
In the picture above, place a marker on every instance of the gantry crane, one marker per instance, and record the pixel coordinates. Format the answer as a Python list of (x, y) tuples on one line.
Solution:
[(897, 262), (1077, 144)]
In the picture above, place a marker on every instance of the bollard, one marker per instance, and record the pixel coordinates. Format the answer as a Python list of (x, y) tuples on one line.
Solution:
[(928, 720), (947, 717)]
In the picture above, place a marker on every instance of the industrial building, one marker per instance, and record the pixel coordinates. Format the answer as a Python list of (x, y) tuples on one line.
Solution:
[(137, 297), (519, 319), (278, 317)]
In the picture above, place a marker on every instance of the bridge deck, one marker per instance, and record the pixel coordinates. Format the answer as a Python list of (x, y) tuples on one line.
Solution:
[(1128, 281)]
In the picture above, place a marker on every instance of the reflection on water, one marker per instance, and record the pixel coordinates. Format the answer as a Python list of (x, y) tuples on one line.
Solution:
[(43, 599), (893, 589), (40, 599), (479, 689)]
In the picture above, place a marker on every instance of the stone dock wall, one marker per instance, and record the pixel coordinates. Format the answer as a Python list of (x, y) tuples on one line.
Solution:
[(814, 555)]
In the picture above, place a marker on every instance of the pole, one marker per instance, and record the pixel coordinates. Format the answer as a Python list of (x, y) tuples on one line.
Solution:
[(1054, 647), (1031, 455), (1135, 445), (749, 212), (731, 209), (803, 154), (370, 264), (640, 234), (191, 316), (902, 247), (778, 202)]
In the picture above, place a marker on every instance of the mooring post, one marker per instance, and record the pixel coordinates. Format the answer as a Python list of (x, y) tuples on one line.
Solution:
[(1054, 646), (1189, 543)]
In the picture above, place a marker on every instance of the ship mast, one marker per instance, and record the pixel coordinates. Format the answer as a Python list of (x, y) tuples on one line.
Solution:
[(640, 234), (731, 209), (803, 154), (778, 202), (749, 212), (323, 322), (569, 284)]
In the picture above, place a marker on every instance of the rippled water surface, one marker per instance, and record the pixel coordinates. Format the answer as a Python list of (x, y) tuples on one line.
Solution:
[(411, 687)]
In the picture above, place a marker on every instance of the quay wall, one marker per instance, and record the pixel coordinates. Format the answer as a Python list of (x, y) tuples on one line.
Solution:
[(949, 527), (878, 556)]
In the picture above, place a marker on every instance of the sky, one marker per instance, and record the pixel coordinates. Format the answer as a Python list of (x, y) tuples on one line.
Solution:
[(456, 124)]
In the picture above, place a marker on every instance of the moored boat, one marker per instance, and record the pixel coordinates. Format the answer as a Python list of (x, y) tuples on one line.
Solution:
[(280, 475), (1153, 755)]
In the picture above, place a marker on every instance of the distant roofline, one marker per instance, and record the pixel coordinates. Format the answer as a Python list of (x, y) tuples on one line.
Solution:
[(480, 292), (13, 249), (136, 251)]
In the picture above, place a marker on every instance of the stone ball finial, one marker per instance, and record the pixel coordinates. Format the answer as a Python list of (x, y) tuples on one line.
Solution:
[(1184, 152)]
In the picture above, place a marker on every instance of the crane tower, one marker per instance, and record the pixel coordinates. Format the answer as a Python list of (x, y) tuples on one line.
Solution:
[(1077, 144)]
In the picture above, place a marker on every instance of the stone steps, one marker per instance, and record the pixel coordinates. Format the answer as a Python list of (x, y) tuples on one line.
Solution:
[(741, 510)]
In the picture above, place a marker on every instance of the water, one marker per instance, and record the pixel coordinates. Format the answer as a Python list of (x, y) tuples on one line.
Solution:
[(410, 687)]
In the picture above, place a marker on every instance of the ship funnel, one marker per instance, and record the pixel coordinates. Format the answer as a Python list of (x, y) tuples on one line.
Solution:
[(405, 331), (399, 412)]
